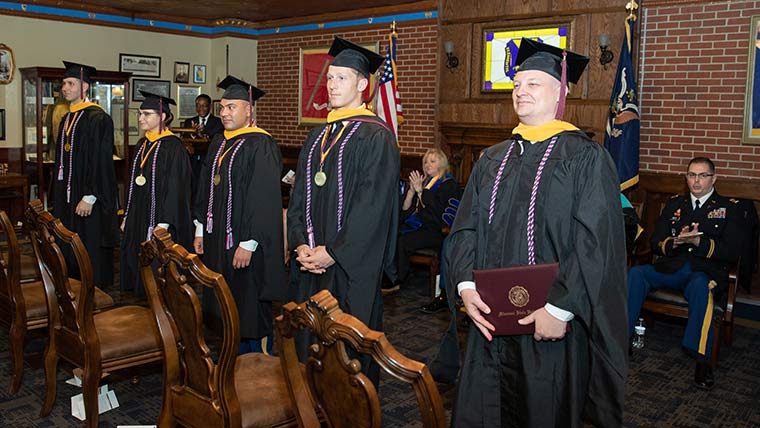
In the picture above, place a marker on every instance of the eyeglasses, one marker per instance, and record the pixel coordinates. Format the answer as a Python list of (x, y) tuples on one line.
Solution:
[(145, 113), (701, 175)]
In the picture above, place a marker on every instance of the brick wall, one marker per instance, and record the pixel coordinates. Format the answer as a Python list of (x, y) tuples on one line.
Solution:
[(415, 64), (693, 87)]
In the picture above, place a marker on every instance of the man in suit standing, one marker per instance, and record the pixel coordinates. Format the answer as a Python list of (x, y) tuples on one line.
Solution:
[(697, 238), (206, 126)]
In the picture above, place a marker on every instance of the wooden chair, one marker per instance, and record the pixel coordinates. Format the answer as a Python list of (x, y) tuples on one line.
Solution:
[(431, 259), (98, 343), (343, 394), (235, 391), (672, 303), (23, 307)]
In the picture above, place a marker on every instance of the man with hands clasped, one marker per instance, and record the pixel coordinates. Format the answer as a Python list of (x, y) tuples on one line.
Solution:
[(696, 238)]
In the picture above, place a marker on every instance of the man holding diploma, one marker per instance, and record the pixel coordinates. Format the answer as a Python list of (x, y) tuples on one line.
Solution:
[(548, 194)]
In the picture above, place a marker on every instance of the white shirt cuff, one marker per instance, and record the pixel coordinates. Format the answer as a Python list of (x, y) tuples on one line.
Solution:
[(198, 229), (559, 313), (466, 285), (90, 199), (249, 245), (164, 225)]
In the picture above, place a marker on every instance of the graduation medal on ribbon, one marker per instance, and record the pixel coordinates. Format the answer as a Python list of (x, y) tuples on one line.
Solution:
[(67, 147), (217, 179), (320, 178), (140, 180)]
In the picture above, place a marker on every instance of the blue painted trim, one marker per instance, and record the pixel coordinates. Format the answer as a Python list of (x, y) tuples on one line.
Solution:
[(209, 31)]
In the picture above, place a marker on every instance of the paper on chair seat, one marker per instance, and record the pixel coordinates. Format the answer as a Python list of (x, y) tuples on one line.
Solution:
[(78, 374), (106, 401)]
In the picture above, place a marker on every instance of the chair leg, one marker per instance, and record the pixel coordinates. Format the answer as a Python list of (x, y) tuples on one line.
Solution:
[(90, 383), (16, 339), (728, 333), (51, 367)]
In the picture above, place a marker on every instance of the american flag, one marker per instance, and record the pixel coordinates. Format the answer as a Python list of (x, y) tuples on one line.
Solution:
[(387, 100)]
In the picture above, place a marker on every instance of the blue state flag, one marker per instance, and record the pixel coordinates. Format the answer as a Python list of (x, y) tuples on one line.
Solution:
[(623, 127)]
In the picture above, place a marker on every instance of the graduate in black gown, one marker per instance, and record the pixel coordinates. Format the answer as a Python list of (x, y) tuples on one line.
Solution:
[(83, 190), (238, 216), (158, 194), (343, 214), (548, 194)]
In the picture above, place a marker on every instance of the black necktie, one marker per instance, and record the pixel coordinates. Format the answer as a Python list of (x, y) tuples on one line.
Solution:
[(696, 204), (203, 122)]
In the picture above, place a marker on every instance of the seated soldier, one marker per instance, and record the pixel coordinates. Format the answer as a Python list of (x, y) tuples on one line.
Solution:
[(695, 238)]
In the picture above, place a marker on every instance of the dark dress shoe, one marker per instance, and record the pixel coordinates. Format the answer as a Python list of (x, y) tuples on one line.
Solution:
[(703, 376), (438, 304)]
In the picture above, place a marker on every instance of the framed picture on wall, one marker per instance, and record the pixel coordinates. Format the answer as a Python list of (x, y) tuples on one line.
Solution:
[(216, 108), (186, 95), (158, 87), (500, 47), (199, 73), (2, 124), (751, 129), (181, 72), (140, 65), (312, 89), (7, 65)]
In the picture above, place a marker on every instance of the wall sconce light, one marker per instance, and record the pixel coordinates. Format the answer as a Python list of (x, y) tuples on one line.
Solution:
[(452, 61), (606, 56)]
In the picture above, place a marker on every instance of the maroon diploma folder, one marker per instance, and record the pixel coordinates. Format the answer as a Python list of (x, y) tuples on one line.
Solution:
[(513, 293)]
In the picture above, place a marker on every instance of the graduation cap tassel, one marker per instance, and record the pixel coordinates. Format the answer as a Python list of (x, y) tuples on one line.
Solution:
[(81, 82), (250, 104), (160, 113), (562, 88)]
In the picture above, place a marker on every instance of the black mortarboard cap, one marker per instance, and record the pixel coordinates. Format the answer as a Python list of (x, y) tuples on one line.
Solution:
[(534, 55), (351, 55), (236, 89), (155, 102), (79, 71)]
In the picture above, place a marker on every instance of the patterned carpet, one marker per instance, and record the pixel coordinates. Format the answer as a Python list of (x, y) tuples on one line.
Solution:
[(660, 391)]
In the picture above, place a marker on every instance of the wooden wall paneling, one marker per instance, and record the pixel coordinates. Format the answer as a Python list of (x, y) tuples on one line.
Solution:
[(478, 9), (12, 156), (453, 83), (601, 80)]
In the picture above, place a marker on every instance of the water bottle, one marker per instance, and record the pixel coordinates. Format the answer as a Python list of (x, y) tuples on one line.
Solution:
[(638, 334)]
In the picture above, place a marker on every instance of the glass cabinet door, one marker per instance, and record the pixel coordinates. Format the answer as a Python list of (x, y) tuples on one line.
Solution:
[(30, 118), (54, 109), (111, 98)]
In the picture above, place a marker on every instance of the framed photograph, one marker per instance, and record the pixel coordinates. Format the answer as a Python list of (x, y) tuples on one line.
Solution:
[(500, 52), (134, 127), (2, 124), (312, 88), (181, 72), (186, 95), (216, 108), (751, 129), (158, 87), (199, 73), (7, 65), (140, 65)]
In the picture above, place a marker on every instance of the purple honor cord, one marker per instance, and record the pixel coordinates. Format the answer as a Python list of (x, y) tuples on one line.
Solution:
[(309, 221), (531, 225)]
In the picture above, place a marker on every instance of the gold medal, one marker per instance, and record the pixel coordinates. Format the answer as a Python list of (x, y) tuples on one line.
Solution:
[(217, 179), (320, 178), (67, 147), (140, 180)]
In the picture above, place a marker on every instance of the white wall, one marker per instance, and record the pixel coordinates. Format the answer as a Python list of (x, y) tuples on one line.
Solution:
[(37, 42)]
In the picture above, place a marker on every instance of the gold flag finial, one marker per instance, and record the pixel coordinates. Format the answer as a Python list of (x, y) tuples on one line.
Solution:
[(393, 26), (631, 7)]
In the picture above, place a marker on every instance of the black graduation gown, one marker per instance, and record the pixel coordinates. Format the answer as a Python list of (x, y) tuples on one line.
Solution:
[(256, 214), (171, 196), (365, 246), (89, 164), (578, 223)]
